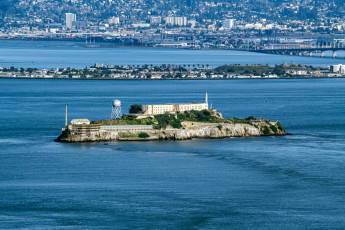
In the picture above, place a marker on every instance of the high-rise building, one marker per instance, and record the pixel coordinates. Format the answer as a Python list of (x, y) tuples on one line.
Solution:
[(155, 20), (229, 24), (114, 20), (70, 18), (176, 21), (338, 68)]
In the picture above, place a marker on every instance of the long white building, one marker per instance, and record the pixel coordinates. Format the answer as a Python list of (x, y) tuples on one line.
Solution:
[(172, 108)]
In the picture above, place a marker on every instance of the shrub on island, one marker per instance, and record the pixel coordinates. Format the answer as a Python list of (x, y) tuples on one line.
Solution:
[(143, 135), (136, 108)]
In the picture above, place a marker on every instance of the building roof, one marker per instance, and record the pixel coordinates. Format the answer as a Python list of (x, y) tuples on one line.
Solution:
[(78, 121), (192, 103)]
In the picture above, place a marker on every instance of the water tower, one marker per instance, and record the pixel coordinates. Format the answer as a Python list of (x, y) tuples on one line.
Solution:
[(116, 112)]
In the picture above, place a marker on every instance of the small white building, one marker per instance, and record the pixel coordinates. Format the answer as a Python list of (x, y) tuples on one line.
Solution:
[(80, 122), (338, 68)]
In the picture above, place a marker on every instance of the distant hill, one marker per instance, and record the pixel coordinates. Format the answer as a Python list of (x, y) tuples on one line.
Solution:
[(5, 5), (140, 10)]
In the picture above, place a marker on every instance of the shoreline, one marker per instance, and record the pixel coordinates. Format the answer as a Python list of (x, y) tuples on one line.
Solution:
[(191, 124), (136, 139), (169, 79), (100, 71)]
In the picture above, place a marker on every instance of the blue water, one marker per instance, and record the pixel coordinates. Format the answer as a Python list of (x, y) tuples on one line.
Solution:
[(51, 54), (291, 182)]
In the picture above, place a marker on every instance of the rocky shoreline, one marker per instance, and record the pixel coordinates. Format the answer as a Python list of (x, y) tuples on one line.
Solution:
[(189, 130)]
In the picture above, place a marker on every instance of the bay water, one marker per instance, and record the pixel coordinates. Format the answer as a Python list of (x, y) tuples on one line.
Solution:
[(57, 54), (290, 182)]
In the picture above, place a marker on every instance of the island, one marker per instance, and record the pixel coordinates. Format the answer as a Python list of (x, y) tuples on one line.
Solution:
[(167, 122), (177, 72)]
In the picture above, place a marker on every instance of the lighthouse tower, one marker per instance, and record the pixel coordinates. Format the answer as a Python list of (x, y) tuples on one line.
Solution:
[(206, 99)]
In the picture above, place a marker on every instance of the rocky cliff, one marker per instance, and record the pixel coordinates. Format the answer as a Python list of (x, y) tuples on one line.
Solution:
[(188, 130)]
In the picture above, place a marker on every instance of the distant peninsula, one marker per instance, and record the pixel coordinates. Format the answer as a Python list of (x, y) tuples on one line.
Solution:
[(176, 72), (167, 122)]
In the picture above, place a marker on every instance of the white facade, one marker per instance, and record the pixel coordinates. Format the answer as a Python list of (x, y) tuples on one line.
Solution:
[(229, 24), (172, 108), (70, 18), (338, 68), (80, 122), (176, 21), (155, 20), (141, 25), (114, 20)]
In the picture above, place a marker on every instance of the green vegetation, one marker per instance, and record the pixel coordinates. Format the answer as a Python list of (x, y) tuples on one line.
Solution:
[(162, 121), (280, 127), (260, 70), (199, 116), (136, 108), (251, 118), (239, 121), (126, 135), (165, 120), (249, 69), (273, 128), (127, 121), (247, 120), (143, 135), (265, 130), (174, 121)]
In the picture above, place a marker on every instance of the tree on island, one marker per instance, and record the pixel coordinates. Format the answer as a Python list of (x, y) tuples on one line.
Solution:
[(279, 70), (136, 108)]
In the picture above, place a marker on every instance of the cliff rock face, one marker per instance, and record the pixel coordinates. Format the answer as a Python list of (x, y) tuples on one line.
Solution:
[(210, 131), (189, 130)]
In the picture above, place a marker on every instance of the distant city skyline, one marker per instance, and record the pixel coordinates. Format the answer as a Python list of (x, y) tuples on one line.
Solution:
[(244, 25)]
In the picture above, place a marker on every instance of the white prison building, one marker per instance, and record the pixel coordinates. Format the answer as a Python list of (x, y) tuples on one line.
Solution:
[(172, 108)]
